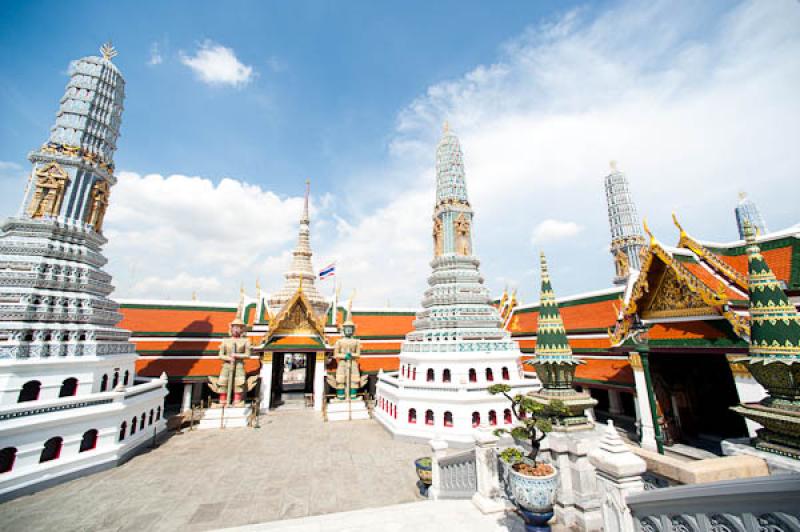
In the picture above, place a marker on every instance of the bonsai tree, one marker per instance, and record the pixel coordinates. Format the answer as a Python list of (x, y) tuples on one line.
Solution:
[(534, 427)]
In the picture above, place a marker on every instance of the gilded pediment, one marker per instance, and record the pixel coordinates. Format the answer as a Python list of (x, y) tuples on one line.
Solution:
[(673, 297)]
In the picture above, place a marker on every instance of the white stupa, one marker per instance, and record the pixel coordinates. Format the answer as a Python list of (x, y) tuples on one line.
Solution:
[(458, 347)]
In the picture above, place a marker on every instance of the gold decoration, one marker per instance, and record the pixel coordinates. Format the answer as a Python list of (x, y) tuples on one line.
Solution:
[(672, 298), (621, 263), (635, 360), (108, 51), (437, 237), (267, 357), (320, 357), (51, 182), (462, 232), (99, 203), (738, 368)]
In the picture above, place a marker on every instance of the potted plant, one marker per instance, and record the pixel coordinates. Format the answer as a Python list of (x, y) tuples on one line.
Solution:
[(533, 483), (425, 474)]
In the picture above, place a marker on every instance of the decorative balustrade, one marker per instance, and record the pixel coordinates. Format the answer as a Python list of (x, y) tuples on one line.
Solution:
[(394, 382), (760, 504), (457, 476)]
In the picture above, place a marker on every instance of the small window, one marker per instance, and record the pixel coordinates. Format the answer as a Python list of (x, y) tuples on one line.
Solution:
[(403, 370), (507, 416), (133, 425), (89, 440), (126, 377), (506, 376), (473, 375), (448, 419), (30, 391), (52, 449), (115, 381), (492, 417), (141, 422), (7, 458), (158, 413), (150, 418), (429, 417), (446, 375), (489, 375), (122, 429), (69, 387), (104, 383), (412, 415), (476, 419), (415, 374), (430, 376)]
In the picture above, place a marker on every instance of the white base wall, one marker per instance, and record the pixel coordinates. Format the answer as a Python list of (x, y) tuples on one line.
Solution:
[(27, 426), (461, 400)]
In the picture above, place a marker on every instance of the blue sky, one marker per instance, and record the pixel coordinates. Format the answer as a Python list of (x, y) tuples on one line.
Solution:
[(231, 106)]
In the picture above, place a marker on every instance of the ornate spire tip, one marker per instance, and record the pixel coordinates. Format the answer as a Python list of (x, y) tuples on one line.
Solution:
[(108, 51)]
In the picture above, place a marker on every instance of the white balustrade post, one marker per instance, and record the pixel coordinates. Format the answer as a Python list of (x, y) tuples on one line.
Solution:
[(319, 380), (186, 404), (438, 450), (487, 498), (265, 386), (619, 473)]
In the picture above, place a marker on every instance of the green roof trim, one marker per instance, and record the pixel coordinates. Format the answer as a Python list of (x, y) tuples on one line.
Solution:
[(575, 302)]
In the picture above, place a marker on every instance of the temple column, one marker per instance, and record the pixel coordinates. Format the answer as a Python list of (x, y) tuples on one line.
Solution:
[(747, 388), (643, 412), (614, 402), (186, 404), (319, 381), (265, 386)]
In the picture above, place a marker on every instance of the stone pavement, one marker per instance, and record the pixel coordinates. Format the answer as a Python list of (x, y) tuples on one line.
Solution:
[(294, 466), (428, 516)]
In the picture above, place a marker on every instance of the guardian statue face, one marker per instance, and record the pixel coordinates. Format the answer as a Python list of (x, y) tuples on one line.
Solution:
[(349, 330), (237, 331)]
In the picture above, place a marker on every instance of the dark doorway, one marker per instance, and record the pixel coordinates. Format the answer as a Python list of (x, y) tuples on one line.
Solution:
[(695, 392), (292, 378)]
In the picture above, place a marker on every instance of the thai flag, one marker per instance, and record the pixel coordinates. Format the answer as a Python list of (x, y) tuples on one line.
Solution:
[(328, 271)]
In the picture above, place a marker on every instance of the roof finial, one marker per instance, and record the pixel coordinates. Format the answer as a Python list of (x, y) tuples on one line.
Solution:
[(543, 261), (677, 224), (742, 194), (446, 127), (108, 51), (749, 234), (305, 204), (613, 165), (650, 234)]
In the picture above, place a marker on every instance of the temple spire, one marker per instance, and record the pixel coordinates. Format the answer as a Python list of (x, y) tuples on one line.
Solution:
[(626, 235), (301, 275), (774, 321), (552, 345)]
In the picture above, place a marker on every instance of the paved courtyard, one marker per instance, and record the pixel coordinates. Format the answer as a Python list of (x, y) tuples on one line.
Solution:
[(294, 466)]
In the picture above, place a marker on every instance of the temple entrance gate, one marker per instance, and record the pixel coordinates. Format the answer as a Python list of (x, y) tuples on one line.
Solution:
[(292, 379), (694, 392)]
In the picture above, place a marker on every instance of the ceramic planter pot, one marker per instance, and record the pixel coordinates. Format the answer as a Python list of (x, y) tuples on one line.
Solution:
[(425, 473), (534, 494)]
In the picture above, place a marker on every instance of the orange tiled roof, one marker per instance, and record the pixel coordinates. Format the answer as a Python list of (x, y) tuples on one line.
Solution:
[(375, 364), (684, 330), (597, 315), (711, 280), (611, 371), (779, 260), (384, 324), (176, 320), (187, 368)]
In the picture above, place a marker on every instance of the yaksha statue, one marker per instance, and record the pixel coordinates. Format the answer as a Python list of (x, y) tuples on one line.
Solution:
[(347, 352), (233, 351)]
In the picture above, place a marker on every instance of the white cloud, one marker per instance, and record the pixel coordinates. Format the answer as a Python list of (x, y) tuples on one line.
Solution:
[(217, 65), (190, 231), (155, 55), (553, 231)]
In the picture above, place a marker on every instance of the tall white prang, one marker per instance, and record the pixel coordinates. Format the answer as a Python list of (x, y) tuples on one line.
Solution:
[(458, 347), (70, 399), (627, 239)]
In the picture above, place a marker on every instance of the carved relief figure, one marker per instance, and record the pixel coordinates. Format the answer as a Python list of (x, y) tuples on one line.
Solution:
[(98, 205), (51, 180), (463, 240), (621, 263), (437, 237)]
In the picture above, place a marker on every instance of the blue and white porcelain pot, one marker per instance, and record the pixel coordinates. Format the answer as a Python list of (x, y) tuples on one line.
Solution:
[(534, 494)]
